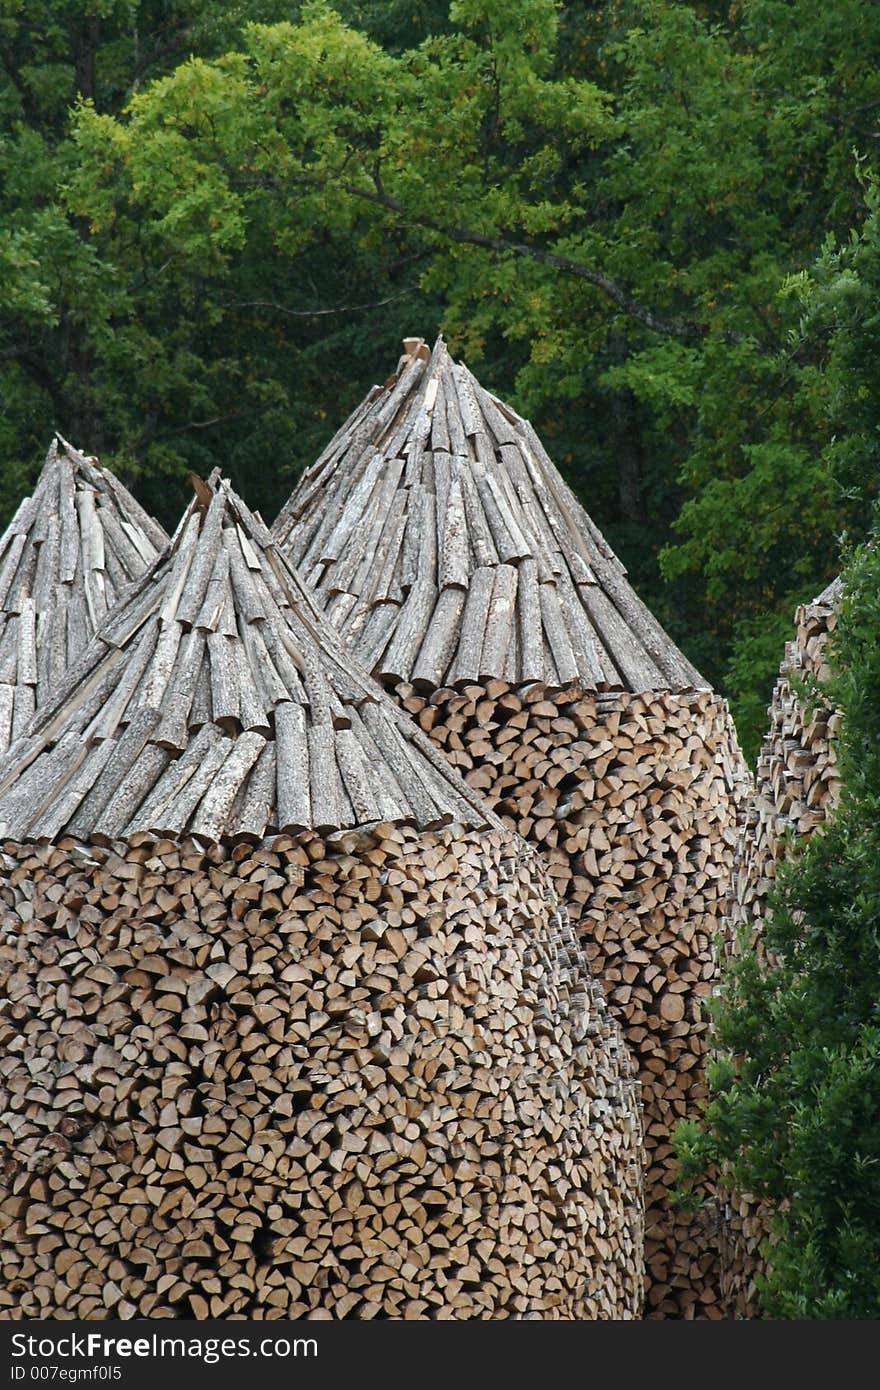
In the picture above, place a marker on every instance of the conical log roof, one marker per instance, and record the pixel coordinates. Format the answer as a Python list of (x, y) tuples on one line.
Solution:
[(830, 596), (215, 701), (70, 550), (446, 548)]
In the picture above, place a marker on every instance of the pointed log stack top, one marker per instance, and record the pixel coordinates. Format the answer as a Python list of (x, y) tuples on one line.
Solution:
[(830, 596), (65, 557), (446, 548), (216, 702)]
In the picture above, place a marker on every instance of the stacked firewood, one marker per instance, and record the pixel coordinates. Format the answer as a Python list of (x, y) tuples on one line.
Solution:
[(444, 545), (278, 1044), (215, 700), (797, 781), (797, 786), (354, 1076), (69, 552), (632, 801), (446, 548)]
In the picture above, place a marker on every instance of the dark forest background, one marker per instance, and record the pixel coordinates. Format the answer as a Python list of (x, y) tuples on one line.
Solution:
[(652, 226)]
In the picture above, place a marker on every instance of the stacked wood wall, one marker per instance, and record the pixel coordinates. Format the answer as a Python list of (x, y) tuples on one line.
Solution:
[(796, 787), (363, 1078), (633, 801)]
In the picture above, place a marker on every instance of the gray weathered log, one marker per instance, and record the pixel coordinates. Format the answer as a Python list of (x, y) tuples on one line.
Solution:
[(466, 666), (211, 819), (441, 639), (500, 621), (292, 767)]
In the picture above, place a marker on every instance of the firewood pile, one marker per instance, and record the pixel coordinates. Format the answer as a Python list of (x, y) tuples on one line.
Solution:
[(797, 786), (296, 1028), (797, 781), (66, 556), (629, 798), (214, 701), (446, 548), (363, 1078), (448, 552)]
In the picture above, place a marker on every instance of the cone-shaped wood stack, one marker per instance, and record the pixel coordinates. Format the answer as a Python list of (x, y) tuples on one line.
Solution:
[(70, 550), (448, 551), (216, 702), (797, 787), (352, 1074)]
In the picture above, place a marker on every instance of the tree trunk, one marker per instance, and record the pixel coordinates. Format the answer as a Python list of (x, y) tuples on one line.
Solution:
[(627, 450)]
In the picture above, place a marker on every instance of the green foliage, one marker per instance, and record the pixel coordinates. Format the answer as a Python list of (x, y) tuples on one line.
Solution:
[(796, 1094), (649, 223), (163, 321), (757, 649)]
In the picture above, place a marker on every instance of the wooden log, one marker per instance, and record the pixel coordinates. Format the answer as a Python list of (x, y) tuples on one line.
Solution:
[(454, 542), (293, 768), (115, 687), (27, 649), (203, 565), (466, 666), (225, 706), (259, 802), (500, 622), (171, 783), (172, 731), (529, 624), (175, 814), (324, 785), (441, 639), (400, 656), (210, 819), (140, 779), (127, 749), (7, 697)]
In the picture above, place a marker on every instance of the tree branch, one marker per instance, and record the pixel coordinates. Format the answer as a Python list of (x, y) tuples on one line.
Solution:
[(687, 329), (315, 313), (213, 422)]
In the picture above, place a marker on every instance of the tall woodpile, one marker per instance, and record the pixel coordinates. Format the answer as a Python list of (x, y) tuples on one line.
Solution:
[(797, 782), (71, 549), (797, 786), (450, 555), (296, 1028), (629, 798)]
